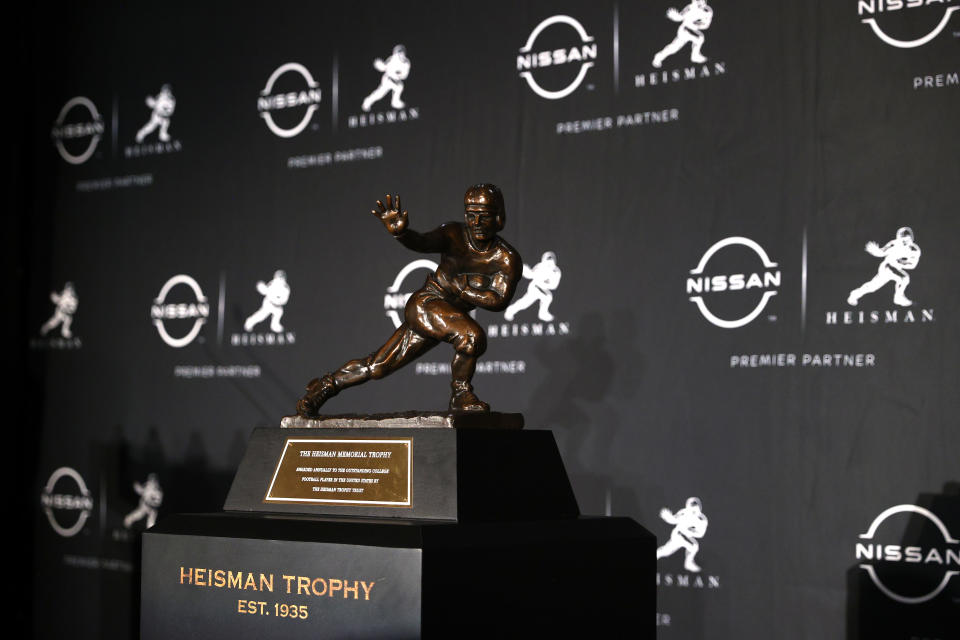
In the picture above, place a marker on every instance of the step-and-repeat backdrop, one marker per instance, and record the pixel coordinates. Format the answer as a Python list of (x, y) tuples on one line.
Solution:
[(738, 313)]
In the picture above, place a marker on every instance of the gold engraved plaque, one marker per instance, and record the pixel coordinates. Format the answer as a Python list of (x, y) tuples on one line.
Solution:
[(343, 471)]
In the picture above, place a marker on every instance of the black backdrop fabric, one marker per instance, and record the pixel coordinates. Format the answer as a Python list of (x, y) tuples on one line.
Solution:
[(692, 329)]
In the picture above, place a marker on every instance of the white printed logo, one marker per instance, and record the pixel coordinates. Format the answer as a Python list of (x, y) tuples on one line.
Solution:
[(544, 279), (395, 70), (163, 105), (768, 280), (920, 556), (694, 19), (583, 54), (690, 524), (162, 311), (275, 294), (151, 497), (76, 500), (66, 305), (65, 133), (872, 8), (395, 299), (267, 103), (898, 256)]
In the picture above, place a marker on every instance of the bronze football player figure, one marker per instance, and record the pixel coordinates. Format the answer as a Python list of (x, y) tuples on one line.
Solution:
[(477, 269)]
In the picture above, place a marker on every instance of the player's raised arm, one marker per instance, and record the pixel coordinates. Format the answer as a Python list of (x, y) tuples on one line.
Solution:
[(395, 220)]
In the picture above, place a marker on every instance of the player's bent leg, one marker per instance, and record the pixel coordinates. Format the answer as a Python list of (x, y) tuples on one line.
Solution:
[(395, 101), (276, 313), (469, 344), (899, 289), (544, 313), (688, 562), (695, 43)]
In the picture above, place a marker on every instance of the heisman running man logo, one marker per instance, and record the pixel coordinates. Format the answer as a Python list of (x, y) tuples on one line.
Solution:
[(690, 524), (544, 279), (694, 19), (395, 70), (163, 105), (899, 256), (151, 497), (66, 305), (275, 294)]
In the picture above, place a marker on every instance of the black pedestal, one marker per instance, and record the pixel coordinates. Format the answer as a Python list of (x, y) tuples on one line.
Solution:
[(398, 532), (454, 474), (257, 576)]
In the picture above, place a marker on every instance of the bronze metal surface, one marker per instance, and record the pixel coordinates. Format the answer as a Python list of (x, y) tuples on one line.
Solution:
[(477, 268)]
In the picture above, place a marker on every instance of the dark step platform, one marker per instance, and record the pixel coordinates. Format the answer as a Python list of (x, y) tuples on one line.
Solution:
[(237, 576)]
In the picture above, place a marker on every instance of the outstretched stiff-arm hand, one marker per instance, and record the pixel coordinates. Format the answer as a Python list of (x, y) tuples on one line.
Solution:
[(395, 220)]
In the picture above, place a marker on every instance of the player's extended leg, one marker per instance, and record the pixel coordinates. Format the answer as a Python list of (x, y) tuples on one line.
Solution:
[(873, 284), (677, 44), (54, 320), (669, 548), (528, 298), (378, 93), (135, 515), (147, 129), (403, 346), (258, 316)]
